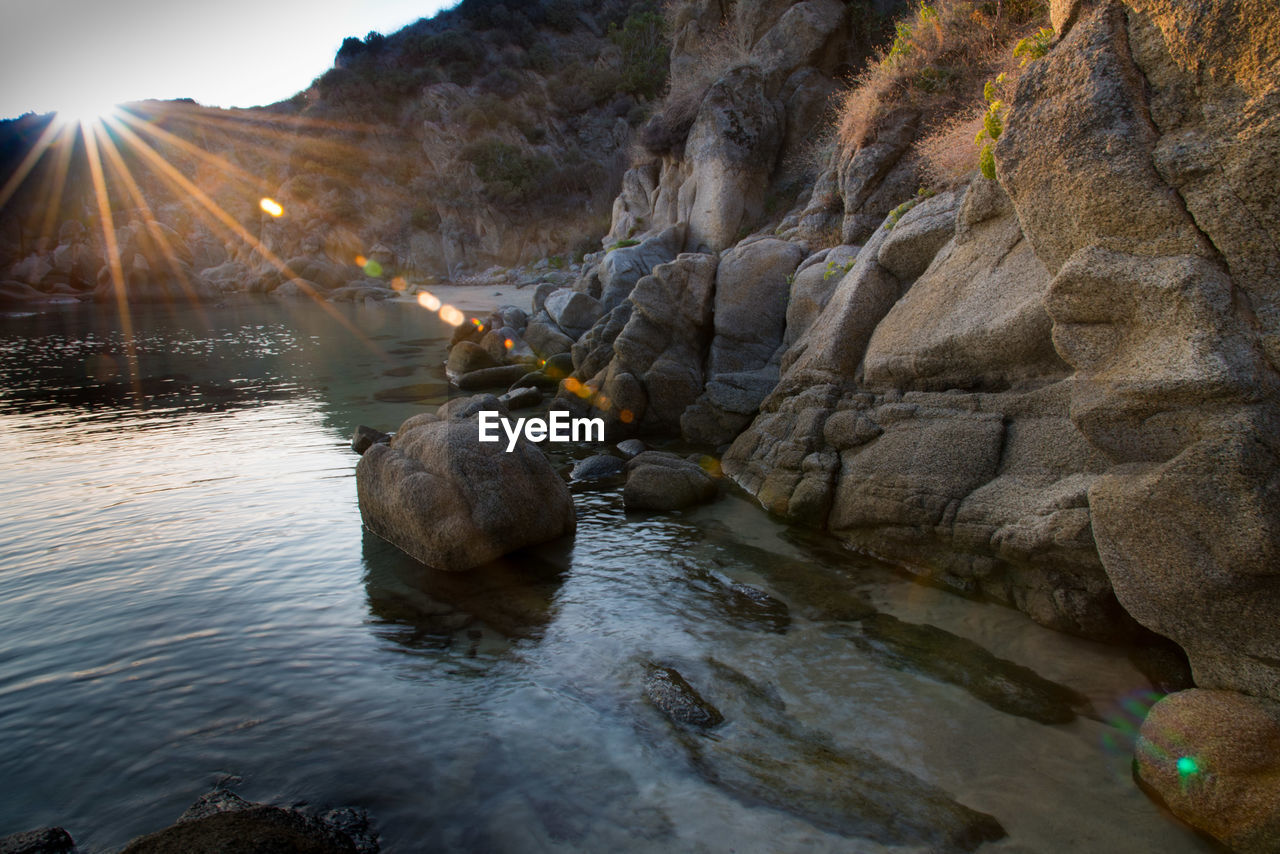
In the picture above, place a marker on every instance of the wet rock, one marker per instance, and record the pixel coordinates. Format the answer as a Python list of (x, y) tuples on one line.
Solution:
[(1213, 757), (254, 828), (631, 448), (679, 700), (44, 840), (767, 757), (740, 605), (468, 356), (465, 407), (366, 437), (559, 366), (657, 480), (598, 467), (538, 380), (453, 502), (521, 398), (497, 377), (1001, 684)]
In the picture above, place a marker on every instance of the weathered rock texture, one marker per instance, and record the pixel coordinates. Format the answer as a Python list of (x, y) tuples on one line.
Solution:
[(453, 502)]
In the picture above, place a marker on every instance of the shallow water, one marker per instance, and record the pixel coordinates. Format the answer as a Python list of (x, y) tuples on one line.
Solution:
[(187, 598)]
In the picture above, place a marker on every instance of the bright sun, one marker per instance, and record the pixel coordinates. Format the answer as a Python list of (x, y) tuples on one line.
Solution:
[(85, 108)]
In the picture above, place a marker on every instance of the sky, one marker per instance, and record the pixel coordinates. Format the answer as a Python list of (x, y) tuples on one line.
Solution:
[(81, 56)]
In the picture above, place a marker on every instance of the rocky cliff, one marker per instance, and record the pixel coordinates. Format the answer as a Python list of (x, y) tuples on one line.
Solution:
[(1053, 384), (1042, 367)]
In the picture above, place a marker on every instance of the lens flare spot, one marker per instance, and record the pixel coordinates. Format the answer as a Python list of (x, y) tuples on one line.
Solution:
[(372, 269), (451, 315), (429, 301), (475, 321), (271, 206), (626, 416), (1187, 766), (572, 385), (602, 402), (508, 343), (711, 466), (399, 284)]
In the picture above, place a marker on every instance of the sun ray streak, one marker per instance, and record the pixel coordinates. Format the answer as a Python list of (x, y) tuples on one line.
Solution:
[(165, 167), (65, 146), (28, 163), (113, 256), (191, 148), (121, 171)]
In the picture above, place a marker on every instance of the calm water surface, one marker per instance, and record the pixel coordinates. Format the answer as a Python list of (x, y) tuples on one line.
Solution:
[(187, 598)]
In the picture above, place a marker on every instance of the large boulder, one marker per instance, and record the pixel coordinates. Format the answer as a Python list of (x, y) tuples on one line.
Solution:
[(453, 502), (750, 313), (731, 147), (573, 312), (1213, 757), (621, 268), (656, 370)]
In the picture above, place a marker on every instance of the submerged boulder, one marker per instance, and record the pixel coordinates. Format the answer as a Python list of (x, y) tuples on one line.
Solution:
[(451, 501)]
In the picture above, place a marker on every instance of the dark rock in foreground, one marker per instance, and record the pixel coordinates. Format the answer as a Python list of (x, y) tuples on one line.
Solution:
[(223, 823), (453, 502), (44, 840)]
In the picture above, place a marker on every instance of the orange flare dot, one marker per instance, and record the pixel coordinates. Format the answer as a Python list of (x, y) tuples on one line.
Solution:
[(398, 284), (626, 416), (508, 343), (271, 206), (451, 315), (572, 385), (429, 301)]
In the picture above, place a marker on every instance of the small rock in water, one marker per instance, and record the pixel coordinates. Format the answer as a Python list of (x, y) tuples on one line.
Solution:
[(44, 840), (657, 480), (538, 380), (499, 377), (521, 398), (366, 437), (679, 700), (559, 366), (632, 448), (598, 467)]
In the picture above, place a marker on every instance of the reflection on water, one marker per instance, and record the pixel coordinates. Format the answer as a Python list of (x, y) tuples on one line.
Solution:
[(187, 596)]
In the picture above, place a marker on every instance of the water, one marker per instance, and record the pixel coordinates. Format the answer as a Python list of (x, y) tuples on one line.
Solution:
[(187, 598)]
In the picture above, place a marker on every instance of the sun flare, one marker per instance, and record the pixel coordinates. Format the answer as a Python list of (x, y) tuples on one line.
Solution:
[(86, 109)]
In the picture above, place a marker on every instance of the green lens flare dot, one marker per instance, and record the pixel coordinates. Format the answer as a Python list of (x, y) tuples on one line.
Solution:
[(1187, 766)]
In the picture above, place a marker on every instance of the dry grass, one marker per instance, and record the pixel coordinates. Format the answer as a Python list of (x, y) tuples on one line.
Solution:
[(942, 54), (949, 152), (692, 74)]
